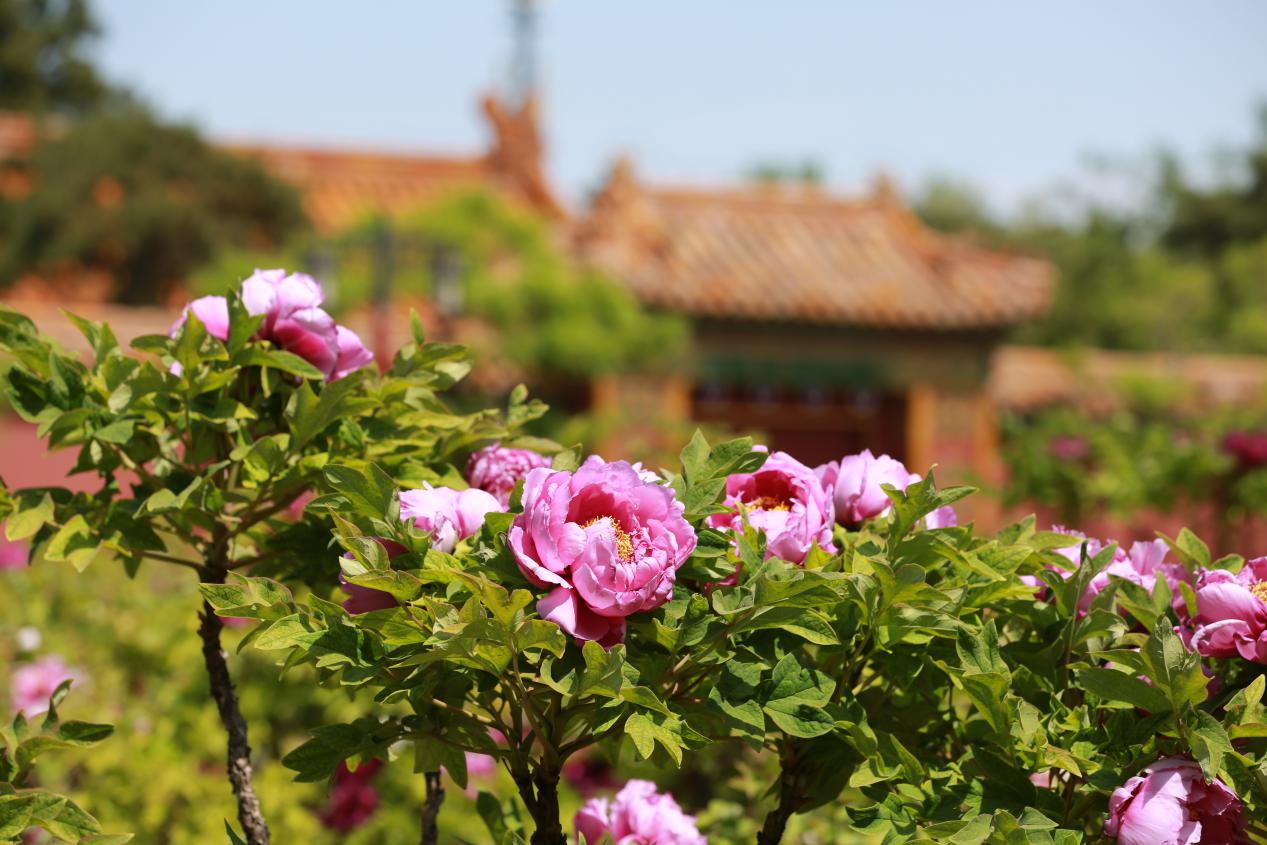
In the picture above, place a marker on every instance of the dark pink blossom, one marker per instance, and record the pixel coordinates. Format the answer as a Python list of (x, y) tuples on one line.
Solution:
[(353, 798), (1231, 615), (366, 599), (1248, 447)]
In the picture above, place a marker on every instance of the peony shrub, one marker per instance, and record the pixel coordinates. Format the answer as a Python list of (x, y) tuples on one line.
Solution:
[(746, 648)]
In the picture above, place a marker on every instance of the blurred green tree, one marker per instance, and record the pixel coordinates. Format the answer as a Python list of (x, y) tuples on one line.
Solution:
[(1207, 221), (1185, 270), (43, 66), (144, 201)]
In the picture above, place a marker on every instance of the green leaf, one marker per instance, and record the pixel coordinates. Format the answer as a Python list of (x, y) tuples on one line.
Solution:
[(640, 730), (26, 523), (694, 457), (277, 359), (1190, 549), (119, 431), (1113, 685), (797, 697), (1172, 668), (309, 415), (806, 624), (1209, 743), (234, 839)]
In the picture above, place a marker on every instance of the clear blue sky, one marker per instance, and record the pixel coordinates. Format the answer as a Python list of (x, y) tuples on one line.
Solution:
[(1008, 95)]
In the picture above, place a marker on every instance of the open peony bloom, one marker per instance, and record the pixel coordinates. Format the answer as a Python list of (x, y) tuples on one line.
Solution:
[(353, 798), (497, 469), (1232, 612), (1142, 565), (785, 500), (607, 543), (448, 515), (293, 321), (854, 484), (638, 815), (1170, 803), (34, 683)]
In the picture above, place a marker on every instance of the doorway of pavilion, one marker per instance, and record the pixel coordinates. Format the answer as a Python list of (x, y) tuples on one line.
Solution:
[(813, 424)]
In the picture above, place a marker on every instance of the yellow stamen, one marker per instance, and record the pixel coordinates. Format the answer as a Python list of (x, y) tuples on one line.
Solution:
[(769, 503), (624, 542), (1259, 588)]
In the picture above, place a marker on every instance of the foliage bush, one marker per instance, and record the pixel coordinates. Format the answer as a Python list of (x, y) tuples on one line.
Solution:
[(793, 651), (1138, 458)]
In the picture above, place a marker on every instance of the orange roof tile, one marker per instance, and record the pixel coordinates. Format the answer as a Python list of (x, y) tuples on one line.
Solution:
[(763, 253), (340, 187)]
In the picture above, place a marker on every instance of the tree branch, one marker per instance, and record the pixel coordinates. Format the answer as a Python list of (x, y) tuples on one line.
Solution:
[(250, 815), (431, 808)]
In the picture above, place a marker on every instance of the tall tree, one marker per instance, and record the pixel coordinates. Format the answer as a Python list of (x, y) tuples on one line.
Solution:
[(143, 201), (43, 66)]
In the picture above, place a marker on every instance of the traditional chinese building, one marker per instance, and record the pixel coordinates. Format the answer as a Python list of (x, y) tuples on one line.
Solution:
[(830, 324)]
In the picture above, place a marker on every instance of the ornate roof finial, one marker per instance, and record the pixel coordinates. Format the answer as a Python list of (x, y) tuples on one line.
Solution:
[(884, 190)]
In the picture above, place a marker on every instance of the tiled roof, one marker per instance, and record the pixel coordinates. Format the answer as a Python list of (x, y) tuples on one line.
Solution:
[(341, 187), (765, 253), (1024, 378)]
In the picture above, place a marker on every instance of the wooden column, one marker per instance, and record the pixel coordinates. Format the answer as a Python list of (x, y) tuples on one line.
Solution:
[(921, 426)]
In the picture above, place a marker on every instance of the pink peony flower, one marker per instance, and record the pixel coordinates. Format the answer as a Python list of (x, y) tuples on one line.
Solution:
[(785, 500), (34, 683), (448, 515), (638, 815), (211, 311), (1170, 803), (1142, 565), (293, 321), (854, 484), (353, 799), (13, 553), (496, 469), (607, 543), (1232, 612)]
